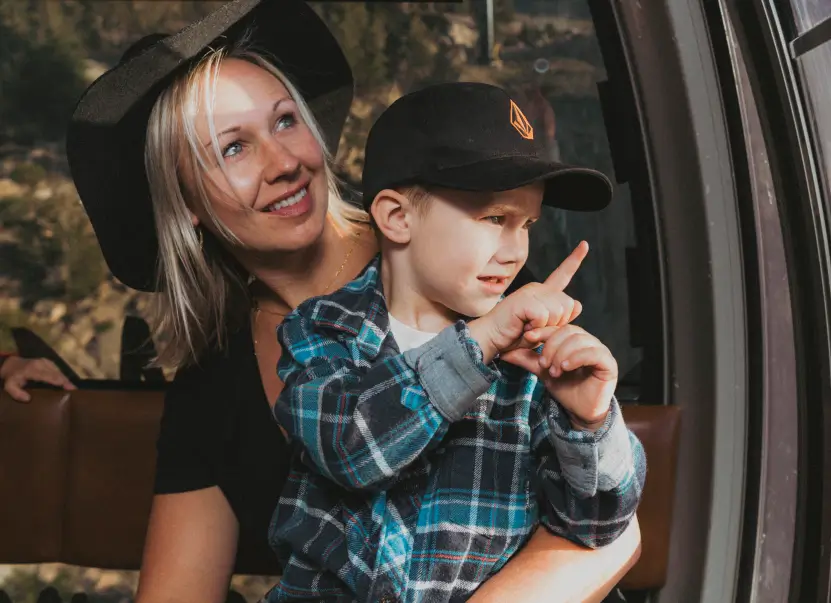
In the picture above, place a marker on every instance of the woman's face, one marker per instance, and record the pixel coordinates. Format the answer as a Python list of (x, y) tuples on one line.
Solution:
[(273, 192)]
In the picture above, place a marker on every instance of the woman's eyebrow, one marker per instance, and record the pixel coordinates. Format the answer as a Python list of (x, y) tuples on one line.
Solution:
[(232, 129), (280, 102)]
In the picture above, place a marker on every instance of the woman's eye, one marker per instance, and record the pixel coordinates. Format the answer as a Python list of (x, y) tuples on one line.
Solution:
[(286, 121), (231, 150), (529, 224), (498, 220)]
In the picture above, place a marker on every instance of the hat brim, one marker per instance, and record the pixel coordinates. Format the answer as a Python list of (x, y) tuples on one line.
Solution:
[(106, 134), (566, 187)]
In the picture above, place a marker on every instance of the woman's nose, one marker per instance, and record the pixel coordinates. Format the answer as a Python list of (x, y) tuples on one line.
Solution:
[(280, 162)]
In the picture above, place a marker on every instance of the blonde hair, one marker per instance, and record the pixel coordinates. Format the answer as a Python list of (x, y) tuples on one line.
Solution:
[(201, 291)]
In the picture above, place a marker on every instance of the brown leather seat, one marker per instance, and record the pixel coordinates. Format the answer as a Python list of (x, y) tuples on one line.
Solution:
[(658, 428), (76, 480)]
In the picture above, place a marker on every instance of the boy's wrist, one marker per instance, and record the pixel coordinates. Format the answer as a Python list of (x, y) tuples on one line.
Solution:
[(582, 424), (480, 332)]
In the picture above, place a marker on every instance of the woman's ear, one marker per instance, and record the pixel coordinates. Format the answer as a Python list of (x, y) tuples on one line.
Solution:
[(392, 213), (194, 219)]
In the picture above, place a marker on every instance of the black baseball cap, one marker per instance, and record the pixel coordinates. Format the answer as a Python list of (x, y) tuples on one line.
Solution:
[(472, 137)]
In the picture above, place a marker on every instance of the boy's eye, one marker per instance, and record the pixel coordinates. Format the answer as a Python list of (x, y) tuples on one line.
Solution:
[(529, 224), (498, 220)]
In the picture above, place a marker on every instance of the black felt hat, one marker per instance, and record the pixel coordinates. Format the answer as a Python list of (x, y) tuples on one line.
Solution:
[(106, 135), (474, 137)]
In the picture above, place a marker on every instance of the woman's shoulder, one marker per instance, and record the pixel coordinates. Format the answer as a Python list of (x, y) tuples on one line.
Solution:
[(215, 364), (217, 381), (205, 409)]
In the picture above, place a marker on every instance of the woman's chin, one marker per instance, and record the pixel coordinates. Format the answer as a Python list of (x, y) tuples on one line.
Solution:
[(301, 235)]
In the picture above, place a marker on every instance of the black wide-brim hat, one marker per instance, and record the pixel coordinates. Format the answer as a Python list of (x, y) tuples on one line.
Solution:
[(106, 135)]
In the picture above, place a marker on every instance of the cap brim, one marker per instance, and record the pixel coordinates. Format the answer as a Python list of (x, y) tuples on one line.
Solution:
[(566, 187), (106, 135)]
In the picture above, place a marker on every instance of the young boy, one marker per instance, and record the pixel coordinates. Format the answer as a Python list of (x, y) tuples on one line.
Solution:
[(431, 438)]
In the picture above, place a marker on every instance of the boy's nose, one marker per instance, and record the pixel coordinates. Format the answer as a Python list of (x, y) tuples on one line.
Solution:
[(514, 248)]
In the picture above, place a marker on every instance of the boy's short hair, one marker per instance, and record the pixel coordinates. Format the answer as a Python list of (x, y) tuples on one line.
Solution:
[(418, 195)]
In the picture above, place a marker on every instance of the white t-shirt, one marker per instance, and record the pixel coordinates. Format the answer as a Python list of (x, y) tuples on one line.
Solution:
[(407, 337)]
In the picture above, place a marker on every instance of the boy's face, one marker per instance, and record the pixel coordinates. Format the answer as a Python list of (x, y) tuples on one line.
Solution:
[(467, 247)]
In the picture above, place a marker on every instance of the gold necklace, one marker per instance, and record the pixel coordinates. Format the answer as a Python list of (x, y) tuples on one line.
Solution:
[(257, 307)]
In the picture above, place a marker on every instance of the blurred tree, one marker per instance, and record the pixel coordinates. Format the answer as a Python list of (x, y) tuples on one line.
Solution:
[(419, 55), (40, 71), (503, 10), (363, 36), (49, 247)]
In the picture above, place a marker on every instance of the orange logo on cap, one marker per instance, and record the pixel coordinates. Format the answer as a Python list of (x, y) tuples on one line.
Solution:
[(521, 123)]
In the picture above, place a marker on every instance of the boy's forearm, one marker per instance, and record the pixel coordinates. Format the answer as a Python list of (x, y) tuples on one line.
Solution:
[(592, 460), (589, 492), (451, 372), (595, 521)]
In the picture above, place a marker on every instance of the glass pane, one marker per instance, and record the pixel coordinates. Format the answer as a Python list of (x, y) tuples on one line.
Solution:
[(808, 13), (53, 280)]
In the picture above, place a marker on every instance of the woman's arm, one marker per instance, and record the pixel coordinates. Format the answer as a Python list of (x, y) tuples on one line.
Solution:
[(551, 569), (190, 548), (16, 372)]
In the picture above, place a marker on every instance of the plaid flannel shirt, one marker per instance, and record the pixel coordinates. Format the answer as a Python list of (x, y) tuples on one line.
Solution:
[(416, 476)]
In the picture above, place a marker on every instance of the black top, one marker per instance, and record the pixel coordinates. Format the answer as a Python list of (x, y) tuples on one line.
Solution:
[(217, 430)]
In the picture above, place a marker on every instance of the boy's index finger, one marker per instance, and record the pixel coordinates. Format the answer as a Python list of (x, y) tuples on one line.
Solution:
[(562, 275)]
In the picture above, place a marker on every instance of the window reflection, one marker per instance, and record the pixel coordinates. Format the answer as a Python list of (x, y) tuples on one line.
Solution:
[(814, 68), (808, 13)]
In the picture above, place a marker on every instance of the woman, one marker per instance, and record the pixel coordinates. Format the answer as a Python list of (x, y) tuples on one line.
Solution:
[(206, 178)]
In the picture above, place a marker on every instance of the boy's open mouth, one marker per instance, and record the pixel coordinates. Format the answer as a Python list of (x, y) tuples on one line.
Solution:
[(496, 280)]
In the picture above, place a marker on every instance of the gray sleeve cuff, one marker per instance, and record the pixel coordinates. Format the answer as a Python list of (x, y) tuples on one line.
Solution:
[(451, 370), (592, 461)]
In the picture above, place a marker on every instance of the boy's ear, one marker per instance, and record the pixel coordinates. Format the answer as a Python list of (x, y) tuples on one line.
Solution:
[(392, 212)]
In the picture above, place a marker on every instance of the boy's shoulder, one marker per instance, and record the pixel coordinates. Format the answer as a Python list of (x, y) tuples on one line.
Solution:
[(345, 309)]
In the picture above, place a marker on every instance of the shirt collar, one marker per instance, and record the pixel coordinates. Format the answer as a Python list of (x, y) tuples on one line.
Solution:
[(359, 308)]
